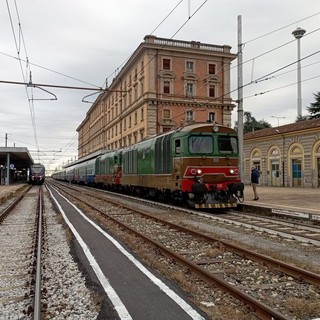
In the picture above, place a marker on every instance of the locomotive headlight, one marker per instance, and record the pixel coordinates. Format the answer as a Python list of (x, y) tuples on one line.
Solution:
[(199, 172), (234, 171)]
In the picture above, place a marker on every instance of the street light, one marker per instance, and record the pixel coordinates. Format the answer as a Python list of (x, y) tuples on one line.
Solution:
[(298, 34), (278, 118)]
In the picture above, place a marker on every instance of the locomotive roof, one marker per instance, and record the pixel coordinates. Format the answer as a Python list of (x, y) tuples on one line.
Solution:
[(198, 127)]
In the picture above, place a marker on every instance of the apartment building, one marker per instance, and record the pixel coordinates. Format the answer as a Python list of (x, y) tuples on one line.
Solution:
[(165, 84)]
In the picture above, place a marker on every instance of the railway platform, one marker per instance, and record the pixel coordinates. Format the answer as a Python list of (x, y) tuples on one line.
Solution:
[(7, 191), (299, 202)]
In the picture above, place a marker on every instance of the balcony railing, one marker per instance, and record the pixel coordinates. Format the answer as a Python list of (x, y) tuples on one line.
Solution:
[(187, 44)]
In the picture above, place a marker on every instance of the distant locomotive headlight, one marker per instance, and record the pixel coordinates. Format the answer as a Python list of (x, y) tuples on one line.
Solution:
[(199, 172), (231, 171)]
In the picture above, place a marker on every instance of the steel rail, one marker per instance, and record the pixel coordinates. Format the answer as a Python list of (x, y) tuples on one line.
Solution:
[(296, 272), (259, 308), (37, 286)]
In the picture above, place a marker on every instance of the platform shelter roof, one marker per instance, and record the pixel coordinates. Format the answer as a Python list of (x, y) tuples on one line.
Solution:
[(19, 157)]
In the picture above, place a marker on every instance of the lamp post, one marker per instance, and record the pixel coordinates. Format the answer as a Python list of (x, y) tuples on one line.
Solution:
[(278, 118), (298, 34)]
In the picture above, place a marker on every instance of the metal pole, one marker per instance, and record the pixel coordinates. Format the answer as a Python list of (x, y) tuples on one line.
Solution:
[(240, 99), (298, 34), (299, 101), (283, 174), (8, 170)]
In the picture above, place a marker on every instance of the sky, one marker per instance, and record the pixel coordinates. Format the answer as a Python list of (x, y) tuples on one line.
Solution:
[(82, 43)]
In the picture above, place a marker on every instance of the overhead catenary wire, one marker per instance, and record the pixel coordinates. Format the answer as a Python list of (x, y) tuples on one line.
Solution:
[(281, 28), (189, 15), (17, 45), (31, 85)]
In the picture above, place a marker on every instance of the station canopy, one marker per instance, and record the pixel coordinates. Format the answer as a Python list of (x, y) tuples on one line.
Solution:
[(19, 157)]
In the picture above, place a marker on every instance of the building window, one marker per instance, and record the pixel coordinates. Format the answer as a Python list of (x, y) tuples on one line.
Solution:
[(212, 68), (130, 98), (142, 114), (125, 101), (189, 115), (212, 91), (166, 87), (135, 118), (135, 93), (129, 121), (190, 66), (141, 134), (166, 114), (212, 117), (166, 64), (189, 89)]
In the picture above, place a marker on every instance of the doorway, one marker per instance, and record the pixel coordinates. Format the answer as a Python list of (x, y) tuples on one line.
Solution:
[(297, 173), (275, 173)]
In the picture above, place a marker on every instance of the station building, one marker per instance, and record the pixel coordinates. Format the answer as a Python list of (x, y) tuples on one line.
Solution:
[(286, 156), (165, 84)]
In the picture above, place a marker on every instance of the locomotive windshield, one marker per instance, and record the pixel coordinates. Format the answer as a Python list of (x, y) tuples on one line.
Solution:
[(37, 169), (228, 144), (200, 144)]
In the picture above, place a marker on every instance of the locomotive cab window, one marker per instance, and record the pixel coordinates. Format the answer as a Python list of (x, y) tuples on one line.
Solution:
[(227, 144), (177, 145), (200, 144)]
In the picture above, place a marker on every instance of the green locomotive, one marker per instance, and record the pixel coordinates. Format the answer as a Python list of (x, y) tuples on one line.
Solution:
[(195, 165)]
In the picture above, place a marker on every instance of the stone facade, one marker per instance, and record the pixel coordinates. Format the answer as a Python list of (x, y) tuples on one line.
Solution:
[(286, 156), (165, 84)]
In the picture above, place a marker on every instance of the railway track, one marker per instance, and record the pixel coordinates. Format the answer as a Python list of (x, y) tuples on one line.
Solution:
[(302, 232), (21, 236), (38, 276), (243, 274)]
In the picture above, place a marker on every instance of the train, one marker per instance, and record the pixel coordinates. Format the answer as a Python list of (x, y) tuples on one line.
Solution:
[(37, 173), (196, 165)]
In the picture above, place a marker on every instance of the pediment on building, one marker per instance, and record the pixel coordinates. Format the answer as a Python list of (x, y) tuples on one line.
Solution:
[(167, 74)]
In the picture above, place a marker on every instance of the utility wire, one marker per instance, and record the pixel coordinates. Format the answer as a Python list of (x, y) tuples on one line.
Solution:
[(281, 28), (156, 28), (30, 101), (279, 88)]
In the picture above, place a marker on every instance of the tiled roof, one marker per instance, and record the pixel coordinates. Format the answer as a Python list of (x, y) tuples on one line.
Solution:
[(288, 128)]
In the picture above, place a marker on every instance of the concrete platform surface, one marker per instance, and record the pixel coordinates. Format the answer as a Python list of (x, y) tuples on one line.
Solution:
[(295, 199), (6, 192)]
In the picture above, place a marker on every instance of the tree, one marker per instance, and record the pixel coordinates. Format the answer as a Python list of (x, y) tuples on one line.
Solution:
[(302, 118), (251, 124), (314, 108)]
